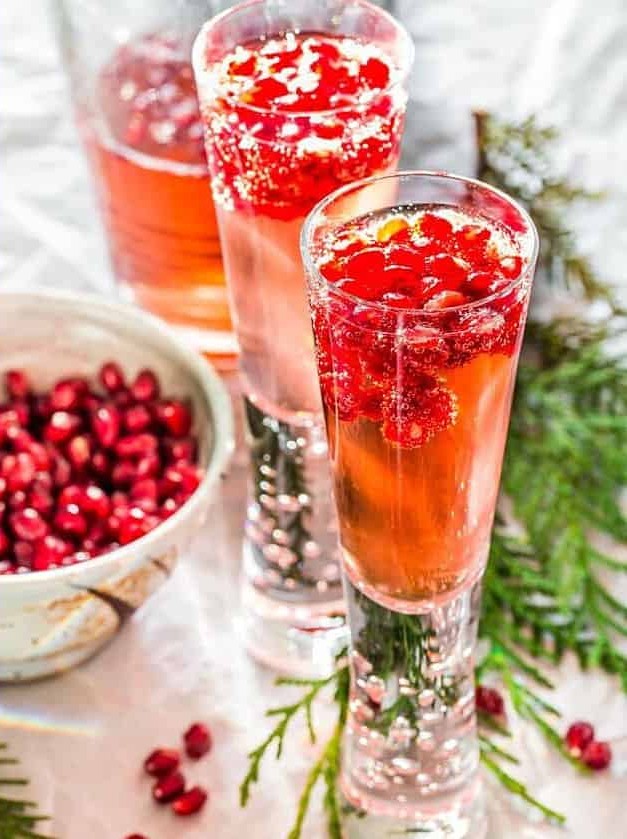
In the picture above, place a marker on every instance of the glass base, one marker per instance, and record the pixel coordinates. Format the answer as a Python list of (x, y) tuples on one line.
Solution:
[(294, 639), (461, 816), (410, 750), (293, 600)]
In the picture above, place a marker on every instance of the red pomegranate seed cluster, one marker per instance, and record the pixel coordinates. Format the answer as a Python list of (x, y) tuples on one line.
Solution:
[(293, 118), (581, 743), (149, 98), (170, 786), (402, 318), (85, 468)]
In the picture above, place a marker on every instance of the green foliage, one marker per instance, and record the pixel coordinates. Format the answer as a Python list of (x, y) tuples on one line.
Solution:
[(18, 818)]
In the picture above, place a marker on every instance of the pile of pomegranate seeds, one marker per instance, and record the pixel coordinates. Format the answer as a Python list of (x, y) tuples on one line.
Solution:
[(148, 97), (86, 467), (170, 786), (292, 118), (409, 312), (581, 743)]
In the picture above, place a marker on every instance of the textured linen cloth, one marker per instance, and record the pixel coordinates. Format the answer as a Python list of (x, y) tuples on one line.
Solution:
[(82, 737)]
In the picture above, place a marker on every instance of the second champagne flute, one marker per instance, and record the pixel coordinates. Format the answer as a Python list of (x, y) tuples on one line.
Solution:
[(297, 99)]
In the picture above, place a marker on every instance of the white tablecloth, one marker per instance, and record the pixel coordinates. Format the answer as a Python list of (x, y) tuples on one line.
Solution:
[(82, 737)]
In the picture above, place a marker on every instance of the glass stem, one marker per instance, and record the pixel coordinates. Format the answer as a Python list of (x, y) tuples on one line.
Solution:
[(411, 748)]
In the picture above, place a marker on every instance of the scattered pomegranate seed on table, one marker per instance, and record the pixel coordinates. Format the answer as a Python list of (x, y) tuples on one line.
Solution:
[(168, 788), (89, 466), (197, 740), (489, 701), (190, 802), (597, 755), (578, 736), (162, 762)]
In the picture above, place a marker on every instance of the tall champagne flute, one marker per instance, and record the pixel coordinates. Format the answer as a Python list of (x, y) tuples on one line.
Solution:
[(297, 99), (418, 302)]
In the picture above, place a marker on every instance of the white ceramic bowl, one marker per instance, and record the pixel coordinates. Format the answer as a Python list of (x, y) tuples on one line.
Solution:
[(52, 620)]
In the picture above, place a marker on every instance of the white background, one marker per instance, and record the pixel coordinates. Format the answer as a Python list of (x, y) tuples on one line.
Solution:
[(82, 737)]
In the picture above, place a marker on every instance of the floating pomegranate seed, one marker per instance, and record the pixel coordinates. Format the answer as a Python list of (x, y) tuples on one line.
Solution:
[(175, 416), (162, 762), (111, 377), (17, 384), (578, 736), (137, 418), (106, 425), (190, 802), (197, 740), (168, 788), (28, 525), (597, 755), (145, 388), (375, 73), (489, 701), (435, 227), (61, 427)]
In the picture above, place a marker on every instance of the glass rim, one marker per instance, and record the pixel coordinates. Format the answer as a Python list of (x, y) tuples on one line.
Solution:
[(306, 237), (404, 66)]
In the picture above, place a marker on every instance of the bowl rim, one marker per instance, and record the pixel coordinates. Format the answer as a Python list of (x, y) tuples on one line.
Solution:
[(216, 398)]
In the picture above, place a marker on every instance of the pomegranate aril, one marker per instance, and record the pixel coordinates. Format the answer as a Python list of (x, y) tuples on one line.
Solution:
[(178, 450), (137, 418), (197, 740), (168, 788), (162, 762), (578, 736), (175, 416), (511, 266), (40, 499), (597, 755), (489, 701), (28, 525), (94, 501), (435, 227), (145, 489), (24, 442), (67, 394), (111, 377), (105, 423), (445, 300), (148, 466), (190, 802), (135, 524), (18, 500), (18, 470), (124, 473), (79, 451), (61, 471), (136, 446), (365, 262), (23, 552), (101, 464), (145, 388), (50, 551), (61, 426), (70, 521), (17, 384), (4, 542), (375, 73)]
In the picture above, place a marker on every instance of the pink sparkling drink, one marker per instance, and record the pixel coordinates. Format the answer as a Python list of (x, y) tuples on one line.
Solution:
[(296, 102)]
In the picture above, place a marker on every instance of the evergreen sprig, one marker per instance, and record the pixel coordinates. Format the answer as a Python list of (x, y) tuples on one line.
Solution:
[(18, 818), (546, 589)]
